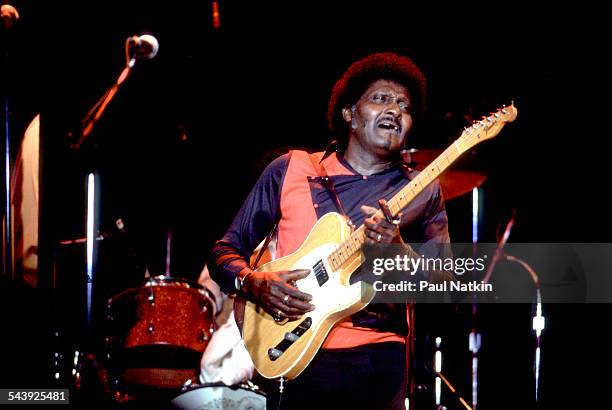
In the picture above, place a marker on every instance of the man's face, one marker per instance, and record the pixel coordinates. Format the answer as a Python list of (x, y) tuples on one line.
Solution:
[(381, 118)]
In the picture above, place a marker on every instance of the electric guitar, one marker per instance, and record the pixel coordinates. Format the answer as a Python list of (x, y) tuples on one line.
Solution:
[(333, 252)]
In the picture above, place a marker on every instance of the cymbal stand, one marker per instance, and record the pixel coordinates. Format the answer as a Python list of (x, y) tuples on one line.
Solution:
[(474, 341), (538, 321)]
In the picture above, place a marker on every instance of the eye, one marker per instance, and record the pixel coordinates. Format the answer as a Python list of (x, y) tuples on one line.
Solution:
[(404, 106), (380, 98)]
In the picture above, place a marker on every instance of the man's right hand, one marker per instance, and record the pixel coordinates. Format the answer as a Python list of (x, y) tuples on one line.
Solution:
[(274, 292)]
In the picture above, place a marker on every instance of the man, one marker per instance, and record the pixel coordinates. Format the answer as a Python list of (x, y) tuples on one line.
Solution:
[(362, 363)]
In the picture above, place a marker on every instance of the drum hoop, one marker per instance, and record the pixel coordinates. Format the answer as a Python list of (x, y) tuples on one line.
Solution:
[(243, 386), (171, 281), (163, 280)]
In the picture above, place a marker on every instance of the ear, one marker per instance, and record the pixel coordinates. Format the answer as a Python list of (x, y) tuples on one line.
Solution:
[(347, 114)]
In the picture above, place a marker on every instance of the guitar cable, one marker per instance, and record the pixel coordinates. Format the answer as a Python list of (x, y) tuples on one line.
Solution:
[(281, 388)]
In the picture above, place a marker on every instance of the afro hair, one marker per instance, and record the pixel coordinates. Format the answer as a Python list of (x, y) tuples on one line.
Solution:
[(358, 77)]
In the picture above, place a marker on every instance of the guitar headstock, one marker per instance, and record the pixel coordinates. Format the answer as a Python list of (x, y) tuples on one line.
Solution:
[(488, 127)]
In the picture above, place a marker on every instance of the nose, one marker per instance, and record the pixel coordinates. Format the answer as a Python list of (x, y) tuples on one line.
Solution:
[(393, 109)]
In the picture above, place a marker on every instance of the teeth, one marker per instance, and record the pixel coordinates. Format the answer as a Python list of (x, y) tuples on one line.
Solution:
[(389, 126)]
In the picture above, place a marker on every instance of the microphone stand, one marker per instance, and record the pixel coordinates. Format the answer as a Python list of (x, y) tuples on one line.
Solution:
[(99, 107), (88, 122), (85, 360)]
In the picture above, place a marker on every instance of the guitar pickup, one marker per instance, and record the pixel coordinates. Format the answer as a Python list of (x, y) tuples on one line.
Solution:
[(274, 354), (289, 338), (320, 273)]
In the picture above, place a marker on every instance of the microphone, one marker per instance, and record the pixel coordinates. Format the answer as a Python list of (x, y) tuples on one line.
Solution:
[(142, 47)]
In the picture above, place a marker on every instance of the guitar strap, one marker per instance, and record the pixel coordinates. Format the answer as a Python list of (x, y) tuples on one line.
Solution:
[(328, 184)]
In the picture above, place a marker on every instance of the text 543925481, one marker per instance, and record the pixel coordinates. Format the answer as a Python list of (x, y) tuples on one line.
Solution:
[(17, 396)]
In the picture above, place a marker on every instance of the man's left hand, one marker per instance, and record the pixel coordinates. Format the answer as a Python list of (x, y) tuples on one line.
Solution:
[(378, 229)]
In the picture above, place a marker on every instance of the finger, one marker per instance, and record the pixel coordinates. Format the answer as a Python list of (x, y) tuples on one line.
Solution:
[(291, 290), (296, 294), (384, 228), (382, 222), (290, 310), (286, 299), (296, 298), (295, 274), (279, 289), (368, 210), (274, 312), (373, 227), (398, 219), (372, 236), (299, 304)]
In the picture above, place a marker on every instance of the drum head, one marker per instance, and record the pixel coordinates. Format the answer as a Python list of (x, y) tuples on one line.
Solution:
[(218, 396)]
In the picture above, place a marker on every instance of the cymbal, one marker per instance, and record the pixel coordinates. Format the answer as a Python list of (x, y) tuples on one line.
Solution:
[(456, 181)]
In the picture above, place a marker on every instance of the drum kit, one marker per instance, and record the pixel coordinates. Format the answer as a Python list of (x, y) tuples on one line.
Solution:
[(146, 343)]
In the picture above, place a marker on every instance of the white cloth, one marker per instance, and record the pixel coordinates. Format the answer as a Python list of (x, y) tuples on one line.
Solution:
[(226, 358)]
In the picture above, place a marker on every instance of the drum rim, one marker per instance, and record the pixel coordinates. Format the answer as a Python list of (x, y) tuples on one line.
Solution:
[(163, 280)]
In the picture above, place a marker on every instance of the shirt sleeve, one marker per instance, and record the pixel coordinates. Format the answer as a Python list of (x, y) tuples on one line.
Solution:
[(254, 221)]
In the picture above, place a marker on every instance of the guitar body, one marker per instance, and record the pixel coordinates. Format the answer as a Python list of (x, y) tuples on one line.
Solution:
[(296, 342)]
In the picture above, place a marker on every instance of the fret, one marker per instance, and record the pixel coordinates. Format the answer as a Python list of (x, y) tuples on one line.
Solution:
[(457, 146)]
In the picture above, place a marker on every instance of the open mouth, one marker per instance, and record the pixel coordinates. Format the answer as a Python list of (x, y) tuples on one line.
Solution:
[(388, 125)]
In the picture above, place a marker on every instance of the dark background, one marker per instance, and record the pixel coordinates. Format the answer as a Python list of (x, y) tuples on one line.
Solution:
[(188, 134)]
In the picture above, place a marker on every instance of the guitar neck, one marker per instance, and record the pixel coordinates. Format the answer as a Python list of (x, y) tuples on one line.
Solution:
[(425, 177), (482, 130)]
